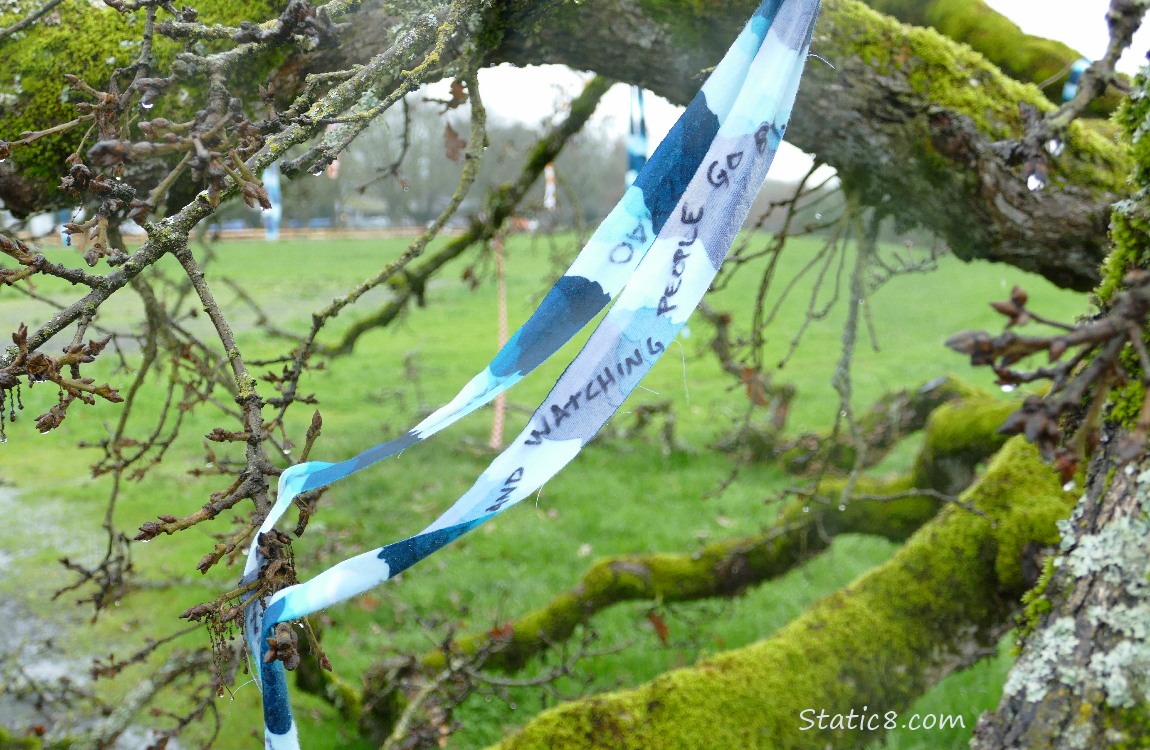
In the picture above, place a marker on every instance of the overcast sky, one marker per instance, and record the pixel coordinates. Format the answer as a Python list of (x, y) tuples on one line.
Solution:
[(537, 94)]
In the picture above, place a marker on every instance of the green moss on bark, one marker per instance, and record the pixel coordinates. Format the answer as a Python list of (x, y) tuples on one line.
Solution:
[(10, 742), (1130, 236), (957, 441), (958, 436), (1130, 222), (957, 78), (1035, 602), (89, 40), (889, 419), (880, 642), (993, 35)]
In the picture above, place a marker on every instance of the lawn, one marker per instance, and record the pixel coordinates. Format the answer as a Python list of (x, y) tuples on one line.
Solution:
[(625, 493)]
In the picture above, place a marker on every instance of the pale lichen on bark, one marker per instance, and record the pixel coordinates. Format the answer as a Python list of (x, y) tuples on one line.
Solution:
[(1083, 676)]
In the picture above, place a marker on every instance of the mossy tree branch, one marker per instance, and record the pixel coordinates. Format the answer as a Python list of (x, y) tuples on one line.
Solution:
[(888, 420), (898, 117), (960, 436), (908, 117), (1030, 59), (947, 594), (1081, 679), (721, 569)]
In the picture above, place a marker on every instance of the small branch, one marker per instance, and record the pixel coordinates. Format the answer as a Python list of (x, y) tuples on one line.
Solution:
[(865, 247), (889, 497), (720, 569), (30, 19), (1100, 341)]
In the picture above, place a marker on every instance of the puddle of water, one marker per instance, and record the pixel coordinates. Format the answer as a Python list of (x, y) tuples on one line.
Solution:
[(26, 654), (31, 639)]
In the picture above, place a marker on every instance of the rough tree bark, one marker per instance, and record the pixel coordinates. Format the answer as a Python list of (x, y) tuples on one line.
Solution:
[(1083, 678), (907, 116)]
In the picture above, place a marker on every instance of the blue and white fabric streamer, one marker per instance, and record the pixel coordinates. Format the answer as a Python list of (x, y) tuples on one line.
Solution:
[(272, 216), (655, 255), (636, 138), (1070, 88)]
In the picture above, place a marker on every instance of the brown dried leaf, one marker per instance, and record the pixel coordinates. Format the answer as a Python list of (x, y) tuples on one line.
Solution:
[(660, 626), (1007, 308), (458, 94), (52, 418), (453, 144)]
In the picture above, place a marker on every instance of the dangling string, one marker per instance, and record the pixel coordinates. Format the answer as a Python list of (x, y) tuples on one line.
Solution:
[(496, 441), (686, 207), (636, 137)]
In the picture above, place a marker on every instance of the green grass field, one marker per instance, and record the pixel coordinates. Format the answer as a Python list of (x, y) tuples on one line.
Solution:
[(621, 495)]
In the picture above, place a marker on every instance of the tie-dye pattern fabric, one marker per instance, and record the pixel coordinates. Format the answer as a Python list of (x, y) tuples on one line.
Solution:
[(656, 255)]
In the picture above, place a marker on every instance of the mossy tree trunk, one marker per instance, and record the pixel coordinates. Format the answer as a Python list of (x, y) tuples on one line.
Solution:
[(1083, 677)]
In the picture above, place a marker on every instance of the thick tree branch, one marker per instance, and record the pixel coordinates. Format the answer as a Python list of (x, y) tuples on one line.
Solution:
[(944, 598), (1083, 668), (30, 19), (958, 438), (1082, 677), (1043, 62), (909, 118), (898, 116)]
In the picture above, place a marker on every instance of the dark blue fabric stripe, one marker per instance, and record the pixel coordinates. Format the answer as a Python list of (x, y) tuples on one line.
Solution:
[(570, 305), (667, 174), (669, 170), (277, 708), (403, 554)]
